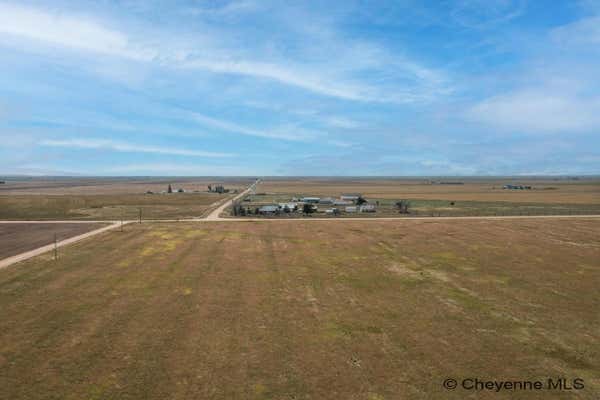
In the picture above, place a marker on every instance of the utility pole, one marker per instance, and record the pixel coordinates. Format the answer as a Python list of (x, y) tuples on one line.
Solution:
[(140, 215)]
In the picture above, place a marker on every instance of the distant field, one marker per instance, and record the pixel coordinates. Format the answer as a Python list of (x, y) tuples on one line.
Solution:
[(299, 310), (547, 190), (106, 207), (19, 238), (111, 186)]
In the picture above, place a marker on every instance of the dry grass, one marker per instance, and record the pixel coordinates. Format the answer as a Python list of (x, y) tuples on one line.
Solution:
[(304, 310), (111, 186), (18, 238), (106, 207)]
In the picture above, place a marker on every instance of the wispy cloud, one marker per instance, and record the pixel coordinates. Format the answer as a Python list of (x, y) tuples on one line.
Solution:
[(585, 31), (129, 147), (484, 14), (289, 76), (538, 111), (341, 122), (326, 77), (60, 29), (285, 133), (162, 169)]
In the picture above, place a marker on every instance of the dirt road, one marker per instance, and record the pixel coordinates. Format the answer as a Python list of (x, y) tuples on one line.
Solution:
[(215, 215), (41, 250)]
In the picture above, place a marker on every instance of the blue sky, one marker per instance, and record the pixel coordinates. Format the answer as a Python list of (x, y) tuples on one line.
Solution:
[(259, 87)]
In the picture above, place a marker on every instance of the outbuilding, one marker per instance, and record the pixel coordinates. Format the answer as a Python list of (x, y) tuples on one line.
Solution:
[(269, 209), (350, 196), (341, 203), (326, 200), (367, 208), (312, 200)]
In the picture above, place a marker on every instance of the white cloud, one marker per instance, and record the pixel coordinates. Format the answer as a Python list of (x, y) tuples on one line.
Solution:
[(233, 8), (484, 14), (128, 147), (74, 32), (538, 111), (161, 169), (283, 133), (324, 75), (340, 143), (585, 31), (341, 122), (288, 76)]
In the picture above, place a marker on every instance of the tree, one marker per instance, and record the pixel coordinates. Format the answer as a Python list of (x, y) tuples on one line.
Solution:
[(307, 208), (402, 206), (170, 189), (210, 188), (360, 201)]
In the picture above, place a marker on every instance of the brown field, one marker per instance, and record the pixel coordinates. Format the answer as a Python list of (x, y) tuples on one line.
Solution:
[(106, 207), (545, 190), (108, 198), (111, 186), (305, 310), (19, 238)]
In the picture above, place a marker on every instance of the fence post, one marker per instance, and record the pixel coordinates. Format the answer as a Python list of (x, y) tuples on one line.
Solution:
[(55, 248)]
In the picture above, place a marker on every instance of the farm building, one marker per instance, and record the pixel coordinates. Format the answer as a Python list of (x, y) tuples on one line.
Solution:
[(341, 203), (312, 200), (367, 208), (516, 187), (350, 196), (291, 206), (326, 200), (269, 209), (351, 209)]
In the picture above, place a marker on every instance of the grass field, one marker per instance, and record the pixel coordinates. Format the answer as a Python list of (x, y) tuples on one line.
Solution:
[(305, 310), (18, 238), (106, 206), (109, 198), (111, 186)]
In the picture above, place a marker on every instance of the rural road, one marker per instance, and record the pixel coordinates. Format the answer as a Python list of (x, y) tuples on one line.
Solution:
[(49, 247), (215, 215)]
